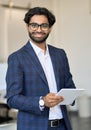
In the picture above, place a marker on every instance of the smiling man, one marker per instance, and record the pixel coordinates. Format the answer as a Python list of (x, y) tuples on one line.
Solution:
[(36, 72), (38, 31)]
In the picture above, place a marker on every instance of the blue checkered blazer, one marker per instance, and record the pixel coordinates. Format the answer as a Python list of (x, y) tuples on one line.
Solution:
[(26, 82)]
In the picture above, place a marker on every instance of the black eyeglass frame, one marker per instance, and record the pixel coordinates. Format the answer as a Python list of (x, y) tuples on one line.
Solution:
[(35, 26)]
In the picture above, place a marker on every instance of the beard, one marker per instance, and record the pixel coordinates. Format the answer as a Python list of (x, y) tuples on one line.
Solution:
[(38, 40)]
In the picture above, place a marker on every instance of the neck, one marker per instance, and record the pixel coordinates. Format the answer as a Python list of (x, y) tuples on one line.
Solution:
[(41, 45)]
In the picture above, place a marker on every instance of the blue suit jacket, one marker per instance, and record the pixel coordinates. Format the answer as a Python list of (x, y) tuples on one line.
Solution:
[(26, 82)]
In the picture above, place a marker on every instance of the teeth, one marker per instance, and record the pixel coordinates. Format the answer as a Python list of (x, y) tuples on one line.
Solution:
[(39, 35)]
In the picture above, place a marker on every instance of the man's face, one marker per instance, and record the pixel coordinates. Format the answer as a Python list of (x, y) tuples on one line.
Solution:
[(38, 28)]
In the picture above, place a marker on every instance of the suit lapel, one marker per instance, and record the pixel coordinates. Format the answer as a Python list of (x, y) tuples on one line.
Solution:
[(35, 61), (54, 59)]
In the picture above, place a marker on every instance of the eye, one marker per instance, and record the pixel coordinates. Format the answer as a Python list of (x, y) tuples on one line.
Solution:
[(34, 25), (45, 25)]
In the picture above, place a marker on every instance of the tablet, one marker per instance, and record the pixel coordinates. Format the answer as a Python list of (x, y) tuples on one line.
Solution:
[(69, 95)]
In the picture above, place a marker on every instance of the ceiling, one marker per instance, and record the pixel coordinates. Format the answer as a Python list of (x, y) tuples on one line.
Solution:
[(21, 4), (15, 3)]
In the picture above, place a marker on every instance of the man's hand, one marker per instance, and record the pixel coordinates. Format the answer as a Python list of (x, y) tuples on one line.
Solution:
[(51, 99)]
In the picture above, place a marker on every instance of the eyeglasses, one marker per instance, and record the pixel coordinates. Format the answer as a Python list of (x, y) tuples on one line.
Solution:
[(35, 26)]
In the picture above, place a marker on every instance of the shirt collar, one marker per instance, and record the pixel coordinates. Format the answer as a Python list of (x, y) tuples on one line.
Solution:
[(38, 50)]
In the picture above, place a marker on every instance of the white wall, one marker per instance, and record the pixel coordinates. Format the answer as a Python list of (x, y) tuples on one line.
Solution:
[(3, 35), (75, 36), (17, 34), (3, 69)]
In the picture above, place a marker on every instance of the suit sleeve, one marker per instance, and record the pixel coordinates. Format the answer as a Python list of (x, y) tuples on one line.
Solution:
[(15, 96), (68, 76)]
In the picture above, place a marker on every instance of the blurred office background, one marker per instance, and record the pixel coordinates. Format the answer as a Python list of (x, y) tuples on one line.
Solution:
[(72, 32)]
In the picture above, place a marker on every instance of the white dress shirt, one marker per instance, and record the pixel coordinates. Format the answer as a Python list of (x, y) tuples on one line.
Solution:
[(45, 60)]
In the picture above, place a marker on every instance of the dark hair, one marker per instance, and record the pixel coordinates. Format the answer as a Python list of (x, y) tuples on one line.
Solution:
[(40, 11)]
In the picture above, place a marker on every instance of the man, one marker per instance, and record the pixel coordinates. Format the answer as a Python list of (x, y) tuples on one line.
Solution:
[(36, 72)]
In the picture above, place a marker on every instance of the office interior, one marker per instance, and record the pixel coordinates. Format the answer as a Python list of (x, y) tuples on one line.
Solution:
[(72, 32)]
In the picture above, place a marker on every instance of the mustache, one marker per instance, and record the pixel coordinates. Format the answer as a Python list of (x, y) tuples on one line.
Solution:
[(38, 33)]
